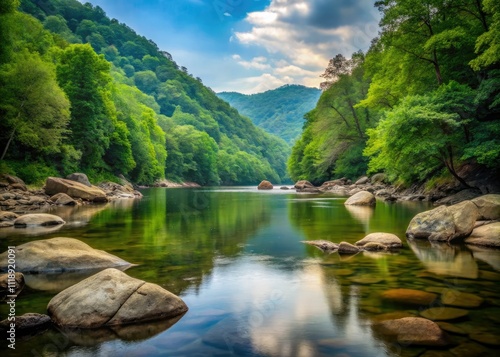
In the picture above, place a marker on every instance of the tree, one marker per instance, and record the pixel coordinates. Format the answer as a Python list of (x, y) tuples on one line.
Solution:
[(422, 134), (85, 78), (34, 110), (488, 44)]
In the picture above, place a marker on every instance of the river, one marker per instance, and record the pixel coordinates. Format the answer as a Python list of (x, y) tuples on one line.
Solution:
[(235, 256)]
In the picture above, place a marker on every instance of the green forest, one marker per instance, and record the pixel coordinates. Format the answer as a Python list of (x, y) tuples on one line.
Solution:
[(423, 100), (279, 111), (82, 92)]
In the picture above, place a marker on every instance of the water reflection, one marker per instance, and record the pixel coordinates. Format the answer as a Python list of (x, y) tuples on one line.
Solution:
[(445, 259)]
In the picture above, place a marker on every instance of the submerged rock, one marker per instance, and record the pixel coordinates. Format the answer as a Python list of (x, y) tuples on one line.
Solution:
[(443, 313), (265, 185), (347, 248), (323, 245), (457, 298), (362, 198), (59, 255), (409, 296), (415, 331), (27, 324), (38, 219), (111, 297)]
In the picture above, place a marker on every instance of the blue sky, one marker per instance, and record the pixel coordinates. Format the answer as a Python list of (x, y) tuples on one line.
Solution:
[(251, 46)]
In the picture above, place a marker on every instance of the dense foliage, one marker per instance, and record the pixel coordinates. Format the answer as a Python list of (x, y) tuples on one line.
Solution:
[(279, 111), (423, 99), (80, 91)]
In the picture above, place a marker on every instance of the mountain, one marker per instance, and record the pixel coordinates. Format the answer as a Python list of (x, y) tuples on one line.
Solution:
[(124, 106), (279, 111)]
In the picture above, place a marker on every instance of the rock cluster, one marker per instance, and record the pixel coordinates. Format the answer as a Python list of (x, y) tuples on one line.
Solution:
[(372, 242), (75, 189), (476, 220)]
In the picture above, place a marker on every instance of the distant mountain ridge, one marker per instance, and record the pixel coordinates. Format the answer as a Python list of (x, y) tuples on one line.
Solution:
[(279, 111)]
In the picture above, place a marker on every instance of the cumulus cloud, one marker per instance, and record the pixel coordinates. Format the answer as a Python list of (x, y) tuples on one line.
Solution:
[(255, 63), (306, 34)]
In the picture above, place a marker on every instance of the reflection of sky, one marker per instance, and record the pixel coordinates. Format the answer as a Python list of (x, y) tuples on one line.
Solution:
[(276, 312)]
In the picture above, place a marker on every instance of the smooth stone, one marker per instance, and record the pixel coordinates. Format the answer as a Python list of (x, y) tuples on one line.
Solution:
[(443, 313), (111, 297), (323, 245), (387, 239), (347, 248), (409, 296), (8, 216), (487, 235), (63, 199), (412, 331), (366, 280), (74, 189), (38, 219), (362, 198), (79, 177), (302, 184), (343, 272), (362, 180), (457, 298), (59, 255)]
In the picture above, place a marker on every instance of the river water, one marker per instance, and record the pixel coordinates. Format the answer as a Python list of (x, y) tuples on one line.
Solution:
[(235, 256)]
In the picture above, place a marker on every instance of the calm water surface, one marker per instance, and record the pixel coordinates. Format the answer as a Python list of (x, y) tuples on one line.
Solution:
[(235, 257)]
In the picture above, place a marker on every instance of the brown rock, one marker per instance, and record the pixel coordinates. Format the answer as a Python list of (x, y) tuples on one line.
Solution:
[(487, 235), (323, 245), (300, 185), (8, 216), (27, 323), (409, 296), (38, 219), (74, 189), (362, 198), (457, 298), (488, 206), (347, 248), (414, 331), (63, 199), (4, 285), (443, 313), (111, 297), (362, 180), (387, 239), (265, 185)]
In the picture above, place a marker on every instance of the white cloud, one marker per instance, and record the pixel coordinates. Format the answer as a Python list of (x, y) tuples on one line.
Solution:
[(256, 62), (301, 36)]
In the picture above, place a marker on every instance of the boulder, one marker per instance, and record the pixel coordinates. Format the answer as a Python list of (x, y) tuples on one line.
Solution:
[(111, 297), (362, 198), (379, 178), (488, 206), (284, 188), (58, 255), (63, 199), (387, 239), (8, 216), (362, 180), (347, 248), (38, 219), (300, 185), (265, 185), (374, 247), (443, 313), (409, 297), (74, 189), (460, 299), (444, 223), (79, 177), (415, 331), (27, 324), (17, 286), (487, 235)]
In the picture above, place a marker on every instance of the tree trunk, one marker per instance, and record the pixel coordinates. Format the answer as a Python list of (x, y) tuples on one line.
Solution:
[(8, 144)]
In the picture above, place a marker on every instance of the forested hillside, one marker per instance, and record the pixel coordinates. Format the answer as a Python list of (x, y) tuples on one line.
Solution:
[(82, 92), (279, 111), (422, 102)]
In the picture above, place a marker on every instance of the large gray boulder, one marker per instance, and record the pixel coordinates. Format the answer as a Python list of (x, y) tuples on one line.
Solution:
[(414, 331), (362, 198), (487, 235), (59, 255), (111, 297), (391, 241), (74, 189), (38, 219), (444, 223), (488, 207)]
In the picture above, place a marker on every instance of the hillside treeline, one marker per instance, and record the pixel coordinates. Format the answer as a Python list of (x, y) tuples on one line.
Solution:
[(82, 92), (419, 104)]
